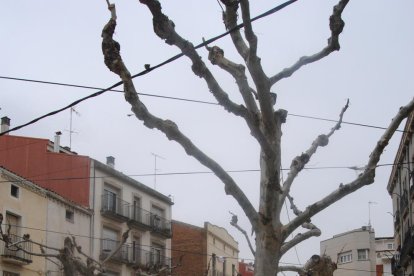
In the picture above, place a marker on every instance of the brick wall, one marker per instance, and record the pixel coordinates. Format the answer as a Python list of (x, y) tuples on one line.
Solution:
[(190, 242)]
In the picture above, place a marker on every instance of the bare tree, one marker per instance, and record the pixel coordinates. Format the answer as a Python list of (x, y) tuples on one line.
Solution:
[(272, 237)]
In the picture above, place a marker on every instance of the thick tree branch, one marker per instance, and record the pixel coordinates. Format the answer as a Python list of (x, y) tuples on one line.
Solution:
[(300, 161), (114, 62), (230, 21), (315, 232), (165, 29), (365, 178), (336, 25), (216, 57), (248, 29)]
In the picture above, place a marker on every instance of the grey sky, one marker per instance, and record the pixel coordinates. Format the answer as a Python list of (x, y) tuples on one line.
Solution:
[(60, 41)]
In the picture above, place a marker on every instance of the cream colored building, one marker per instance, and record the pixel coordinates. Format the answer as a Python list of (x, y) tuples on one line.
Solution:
[(121, 202), (23, 206), (224, 247), (353, 251), (45, 216)]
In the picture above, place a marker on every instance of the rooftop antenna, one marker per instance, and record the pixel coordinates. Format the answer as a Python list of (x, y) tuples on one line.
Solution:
[(72, 110), (155, 168), (369, 211)]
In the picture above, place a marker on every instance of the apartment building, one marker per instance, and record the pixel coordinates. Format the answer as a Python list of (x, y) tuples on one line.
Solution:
[(401, 189), (208, 250), (42, 214), (353, 251), (117, 202)]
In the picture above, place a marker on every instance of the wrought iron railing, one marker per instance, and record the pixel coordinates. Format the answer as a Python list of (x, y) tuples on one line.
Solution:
[(17, 249), (114, 205)]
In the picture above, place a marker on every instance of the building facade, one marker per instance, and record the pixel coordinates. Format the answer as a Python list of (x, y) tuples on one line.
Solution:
[(116, 201), (208, 250), (43, 215), (385, 250), (401, 189), (353, 251)]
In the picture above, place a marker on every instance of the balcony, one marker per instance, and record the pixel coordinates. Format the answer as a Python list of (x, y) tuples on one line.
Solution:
[(397, 220), (404, 203), (157, 260), (120, 210), (407, 248), (13, 254), (161, 226), (109, 246), (115, 208), (140, 218)]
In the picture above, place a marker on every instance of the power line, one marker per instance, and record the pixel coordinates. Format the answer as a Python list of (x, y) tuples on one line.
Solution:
[(186, 100), (149, 69), (195, 173)]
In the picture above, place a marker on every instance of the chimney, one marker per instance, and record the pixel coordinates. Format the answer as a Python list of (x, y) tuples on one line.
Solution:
[(110, 161), (5, 124), (56, 144)]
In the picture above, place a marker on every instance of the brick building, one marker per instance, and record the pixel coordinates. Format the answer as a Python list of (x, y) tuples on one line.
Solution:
[(204, 249)]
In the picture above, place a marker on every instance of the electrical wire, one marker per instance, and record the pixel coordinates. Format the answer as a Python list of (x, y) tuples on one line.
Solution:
[(149, 69), (193, 173), (191, 101)]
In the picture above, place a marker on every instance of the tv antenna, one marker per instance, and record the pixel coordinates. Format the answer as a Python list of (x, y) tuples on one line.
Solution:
[(369, 211), (71, 131), (155, 168)]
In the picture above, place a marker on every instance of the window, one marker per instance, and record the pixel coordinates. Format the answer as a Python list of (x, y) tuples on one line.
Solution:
[(156, 253), (14, 222), (156, 217), (390, 246), (14, 191), (110, 199), (70, 216), (137, 209), (363, 254), (7, 273), (345, 257), (109, 240)]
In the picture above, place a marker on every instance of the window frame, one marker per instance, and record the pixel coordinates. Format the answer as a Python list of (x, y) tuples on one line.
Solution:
[(71, 217), (345, 257), (14, 191), (365, 251)]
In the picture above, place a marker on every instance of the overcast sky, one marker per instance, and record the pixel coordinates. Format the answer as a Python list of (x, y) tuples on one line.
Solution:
[(60, 41)]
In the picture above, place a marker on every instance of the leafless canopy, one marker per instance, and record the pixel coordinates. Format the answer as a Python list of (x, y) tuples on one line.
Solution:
[(264, 120)]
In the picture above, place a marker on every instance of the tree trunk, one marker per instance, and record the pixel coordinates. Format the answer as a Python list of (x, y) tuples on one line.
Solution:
[(267, 252)]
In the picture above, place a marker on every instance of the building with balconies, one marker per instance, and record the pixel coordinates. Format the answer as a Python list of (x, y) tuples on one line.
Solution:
[(401, 189), (117, 202)]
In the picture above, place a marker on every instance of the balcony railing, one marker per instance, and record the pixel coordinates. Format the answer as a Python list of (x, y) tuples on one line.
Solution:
[(161, 225), (154, 259), (140, 216), (133, 255), (109, 246), (404, 202), (13, 253), (115, 206)]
